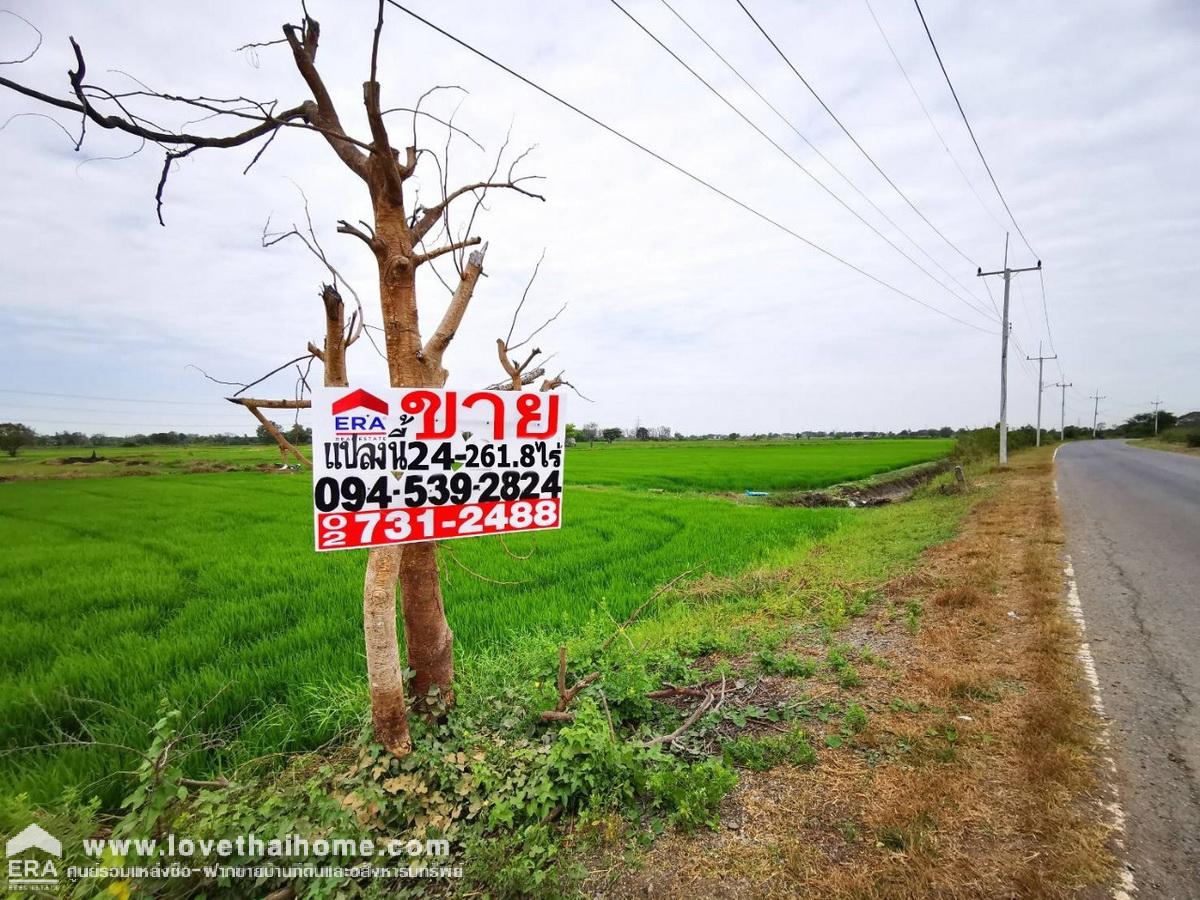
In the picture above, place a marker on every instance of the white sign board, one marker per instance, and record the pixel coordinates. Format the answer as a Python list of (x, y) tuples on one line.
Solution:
[(403, 465)]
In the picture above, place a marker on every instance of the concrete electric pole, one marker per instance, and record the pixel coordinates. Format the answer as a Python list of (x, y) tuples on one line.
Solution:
[(1157, 404), (1007, 274), (1062, 426), (1040, 360), (1096, 410)]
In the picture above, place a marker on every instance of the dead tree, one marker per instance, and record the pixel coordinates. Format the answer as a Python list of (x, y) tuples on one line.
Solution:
[(399, 240)]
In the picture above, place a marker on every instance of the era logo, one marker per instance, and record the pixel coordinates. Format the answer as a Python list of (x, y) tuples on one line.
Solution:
[(359, 423), (30, 874)]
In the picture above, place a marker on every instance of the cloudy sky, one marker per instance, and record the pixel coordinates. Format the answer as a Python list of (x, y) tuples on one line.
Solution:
[(682, 308)]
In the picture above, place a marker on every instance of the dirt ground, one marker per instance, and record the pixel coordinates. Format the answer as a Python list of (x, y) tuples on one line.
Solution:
[(978, 772)]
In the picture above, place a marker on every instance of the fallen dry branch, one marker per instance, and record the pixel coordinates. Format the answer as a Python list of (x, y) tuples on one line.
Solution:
[(560, 713), (711, 703), (672, 690)]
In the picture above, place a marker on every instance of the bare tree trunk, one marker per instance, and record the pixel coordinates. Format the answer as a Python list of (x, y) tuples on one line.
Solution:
[(427, 635), (389, 714), (426, 632), (385, 674)]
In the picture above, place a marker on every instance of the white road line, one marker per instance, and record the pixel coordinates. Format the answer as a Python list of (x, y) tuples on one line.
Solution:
[(1126, 886)]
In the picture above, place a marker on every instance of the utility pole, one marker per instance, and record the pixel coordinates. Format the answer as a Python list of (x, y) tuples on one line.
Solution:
[(1040, 360), (1096, 410), (1157, 404), (1007, 273), (1062, 427)]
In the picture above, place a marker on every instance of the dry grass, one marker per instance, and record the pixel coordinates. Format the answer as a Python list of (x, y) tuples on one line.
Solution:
[(976, 776)]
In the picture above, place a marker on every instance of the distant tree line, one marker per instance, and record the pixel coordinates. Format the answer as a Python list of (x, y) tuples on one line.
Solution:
[(14, 436), (1180, 429), (1177, 429)]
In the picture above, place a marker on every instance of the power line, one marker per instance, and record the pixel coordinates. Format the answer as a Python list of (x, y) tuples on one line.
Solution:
[(1045, 307), (788, 122), (970, 130), (978, 149), (981, 310), (853, 140), (678, 168), (1046, 313), (112, 399), (1033, 326), (941, 138), (991, 299)]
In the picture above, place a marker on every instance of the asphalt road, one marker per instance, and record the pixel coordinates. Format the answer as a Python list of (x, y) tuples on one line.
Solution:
[(1132, 519)]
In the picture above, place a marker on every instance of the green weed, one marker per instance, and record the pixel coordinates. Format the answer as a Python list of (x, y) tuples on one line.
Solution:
[(762, 753), (788, 664)]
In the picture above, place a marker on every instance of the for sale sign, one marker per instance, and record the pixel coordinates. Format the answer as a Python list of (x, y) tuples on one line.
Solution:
[(402, 465)]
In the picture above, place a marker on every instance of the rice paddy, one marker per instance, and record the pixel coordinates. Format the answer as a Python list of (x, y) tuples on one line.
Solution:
[(746, 465), (116, 593)]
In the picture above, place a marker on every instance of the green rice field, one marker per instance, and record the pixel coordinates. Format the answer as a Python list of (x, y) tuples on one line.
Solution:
[(746, 465), (203, 589)]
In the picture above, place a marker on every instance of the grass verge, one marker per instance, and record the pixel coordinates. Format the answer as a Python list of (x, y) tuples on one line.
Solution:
[(1169, 446), (974, 773)]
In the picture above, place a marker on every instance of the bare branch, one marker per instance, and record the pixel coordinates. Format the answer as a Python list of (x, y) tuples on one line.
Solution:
[(430, 217), (446, 548), (558, 381), (61, 126), (565, 694), (701, 708), (270, 404), (440, 121), (436, 346), (285, 446), (510, 365), (261, 151), (375, 44), (28, 56), (213, 379), (480, 196), (642, 608), (525, 293), (528, 378), (370, 240), (449, 248), (313, 245), (334, 356), (258, 44), (91, 159), (242, 386), (83, 105), (304, 51), (535, 331), (171, 156)]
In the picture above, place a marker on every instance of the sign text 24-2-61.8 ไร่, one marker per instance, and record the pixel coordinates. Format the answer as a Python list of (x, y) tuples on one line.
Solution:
[(402, 465)]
